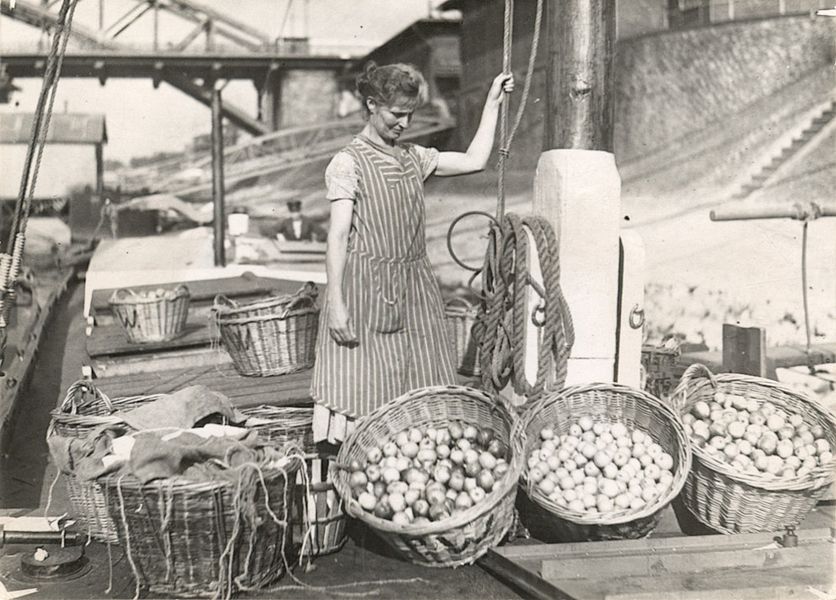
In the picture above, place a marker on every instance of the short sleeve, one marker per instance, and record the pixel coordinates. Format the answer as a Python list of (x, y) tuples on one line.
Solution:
[(427, 158), (341, 177)]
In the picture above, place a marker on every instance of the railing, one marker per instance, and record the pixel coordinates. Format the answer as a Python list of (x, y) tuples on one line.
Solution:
[(280, 48)]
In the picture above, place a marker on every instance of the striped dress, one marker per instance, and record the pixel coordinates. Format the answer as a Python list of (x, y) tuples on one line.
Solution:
[(390, 291)]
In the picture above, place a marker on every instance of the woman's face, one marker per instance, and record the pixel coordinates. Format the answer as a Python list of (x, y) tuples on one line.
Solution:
[(390, 121)]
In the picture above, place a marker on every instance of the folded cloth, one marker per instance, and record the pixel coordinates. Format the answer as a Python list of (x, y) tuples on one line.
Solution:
[(187, 455), (182, 409), (82, 457)]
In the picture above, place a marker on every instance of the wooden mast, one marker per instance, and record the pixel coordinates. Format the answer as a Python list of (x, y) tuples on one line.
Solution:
[(577, 187), (579, 75)]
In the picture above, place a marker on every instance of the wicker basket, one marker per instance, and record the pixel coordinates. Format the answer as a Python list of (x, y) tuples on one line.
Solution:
[(616, 404), (318, 519), (280, 425), (318, 510), (274, 336), (461, 316), (659, 364), (84, 409), (192, 539), (731, 501), (463, 537), (157, 318)]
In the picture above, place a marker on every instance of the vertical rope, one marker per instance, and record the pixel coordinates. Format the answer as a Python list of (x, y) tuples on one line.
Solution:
[(508, 32)]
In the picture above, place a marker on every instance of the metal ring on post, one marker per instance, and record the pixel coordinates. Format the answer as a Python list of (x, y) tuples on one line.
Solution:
[(453, 255), (636, 318)]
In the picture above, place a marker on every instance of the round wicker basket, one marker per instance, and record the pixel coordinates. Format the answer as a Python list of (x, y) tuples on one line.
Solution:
[(273, 336), (613, 403), (197, 539), (731, 501), (156, 318), (460, 316), (83, 409), (463, 537)]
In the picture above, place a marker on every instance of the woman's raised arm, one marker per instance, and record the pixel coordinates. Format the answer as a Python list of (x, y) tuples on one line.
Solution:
[(476, 157)]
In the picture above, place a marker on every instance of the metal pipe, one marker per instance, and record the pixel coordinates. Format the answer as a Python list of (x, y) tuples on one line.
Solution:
[(799, 211), (218, 176), (38, 537)]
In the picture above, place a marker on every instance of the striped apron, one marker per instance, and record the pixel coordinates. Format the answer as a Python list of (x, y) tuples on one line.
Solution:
[(391, 294)]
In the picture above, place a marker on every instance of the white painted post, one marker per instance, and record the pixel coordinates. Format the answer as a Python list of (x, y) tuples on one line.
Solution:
[(579, 192)]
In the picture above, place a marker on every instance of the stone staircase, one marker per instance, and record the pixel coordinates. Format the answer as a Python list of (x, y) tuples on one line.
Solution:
[(788, 152)]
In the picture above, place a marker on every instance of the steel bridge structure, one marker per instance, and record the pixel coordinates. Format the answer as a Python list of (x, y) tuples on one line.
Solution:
[(230, 49)]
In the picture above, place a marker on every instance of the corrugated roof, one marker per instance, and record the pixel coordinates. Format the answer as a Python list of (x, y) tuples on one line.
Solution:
[(64, 128)]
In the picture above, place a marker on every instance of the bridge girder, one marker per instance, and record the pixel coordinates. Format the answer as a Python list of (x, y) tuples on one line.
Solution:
[(209, 21)]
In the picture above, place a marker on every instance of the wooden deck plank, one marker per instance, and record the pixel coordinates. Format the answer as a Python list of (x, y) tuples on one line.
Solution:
[(279, 390), (686, 567), (292, 388), (727, 584), (778, 357), (111, 339), (206, 290)]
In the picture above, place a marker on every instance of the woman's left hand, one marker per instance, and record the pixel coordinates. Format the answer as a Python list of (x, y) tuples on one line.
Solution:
[(502, 84)]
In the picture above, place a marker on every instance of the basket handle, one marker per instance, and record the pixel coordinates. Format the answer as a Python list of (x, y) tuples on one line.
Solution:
[(222, 301), (307, 293), (698, 370), (679, 397), (71, 402)]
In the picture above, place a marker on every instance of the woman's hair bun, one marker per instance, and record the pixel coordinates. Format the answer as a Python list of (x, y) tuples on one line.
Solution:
[(387, 84)]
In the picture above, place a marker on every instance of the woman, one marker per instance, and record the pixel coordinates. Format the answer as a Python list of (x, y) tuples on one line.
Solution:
[(383, 331)]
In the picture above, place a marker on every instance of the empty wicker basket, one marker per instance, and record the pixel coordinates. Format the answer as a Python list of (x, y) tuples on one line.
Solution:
[(461, 316), (603, 402), (730, 500), (155, 316), (273, 336)]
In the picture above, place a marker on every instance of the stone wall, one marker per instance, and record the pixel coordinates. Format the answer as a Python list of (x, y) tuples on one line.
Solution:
[(668, 85), (674, 83)]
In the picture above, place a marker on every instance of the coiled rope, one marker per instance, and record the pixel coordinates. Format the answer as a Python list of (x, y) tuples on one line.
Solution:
[(502, 321)]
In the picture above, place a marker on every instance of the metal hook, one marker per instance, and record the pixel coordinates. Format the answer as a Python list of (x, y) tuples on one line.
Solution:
[(540, 309), (636, 318)]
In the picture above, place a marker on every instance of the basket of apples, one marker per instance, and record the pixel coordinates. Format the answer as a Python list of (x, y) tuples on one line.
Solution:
[(763, 452), (433, 473), (602, 463)]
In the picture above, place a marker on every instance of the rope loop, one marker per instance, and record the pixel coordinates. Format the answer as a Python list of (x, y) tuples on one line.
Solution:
[(502, 323)]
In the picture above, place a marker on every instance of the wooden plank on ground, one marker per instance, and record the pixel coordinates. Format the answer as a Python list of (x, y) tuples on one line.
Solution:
[(779, 356), (716, 566), (182, 358), (111, 340)]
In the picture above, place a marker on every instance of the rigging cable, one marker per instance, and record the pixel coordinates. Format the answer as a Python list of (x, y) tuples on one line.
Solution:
[(10, 262)]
